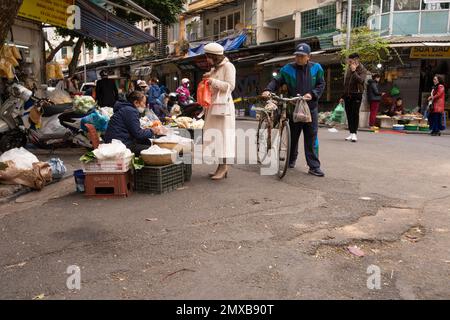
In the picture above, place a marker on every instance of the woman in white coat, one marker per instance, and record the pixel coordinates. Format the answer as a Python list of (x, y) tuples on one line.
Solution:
[(219, 140)]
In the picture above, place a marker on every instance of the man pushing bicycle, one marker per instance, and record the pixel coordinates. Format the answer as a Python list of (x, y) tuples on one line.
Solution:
[(304, 78)]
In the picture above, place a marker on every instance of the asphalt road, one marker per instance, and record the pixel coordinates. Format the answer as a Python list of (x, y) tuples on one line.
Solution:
[(250, 236)]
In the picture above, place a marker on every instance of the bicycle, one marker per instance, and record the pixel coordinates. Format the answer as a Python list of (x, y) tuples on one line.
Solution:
[(271, 117)]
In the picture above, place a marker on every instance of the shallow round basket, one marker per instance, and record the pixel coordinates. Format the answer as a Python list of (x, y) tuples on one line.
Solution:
[(424, 128), (166, 145), (159, 159)]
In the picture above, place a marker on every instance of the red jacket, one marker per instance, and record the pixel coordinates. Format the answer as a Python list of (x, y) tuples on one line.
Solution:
[(438, 99)]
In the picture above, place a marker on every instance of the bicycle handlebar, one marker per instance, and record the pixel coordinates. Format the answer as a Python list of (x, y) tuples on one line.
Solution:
[(278, 98)]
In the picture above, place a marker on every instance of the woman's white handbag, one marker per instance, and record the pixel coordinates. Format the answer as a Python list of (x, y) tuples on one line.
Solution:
[(222, 103)]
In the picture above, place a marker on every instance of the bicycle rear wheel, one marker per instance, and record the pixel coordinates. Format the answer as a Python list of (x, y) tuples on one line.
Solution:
[(263, 138), (284, 148)]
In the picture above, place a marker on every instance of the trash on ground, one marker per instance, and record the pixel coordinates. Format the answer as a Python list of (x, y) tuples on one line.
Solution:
[(151, 219), (356, 251), (365, 198), (333, 130)]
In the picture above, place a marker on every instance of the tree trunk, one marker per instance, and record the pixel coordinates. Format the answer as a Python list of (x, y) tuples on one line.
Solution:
[(8, 12), (76, 54)]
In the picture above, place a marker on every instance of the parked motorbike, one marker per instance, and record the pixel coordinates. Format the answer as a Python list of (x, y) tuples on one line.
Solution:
[(11, 134), (190, 108), (19, 125)]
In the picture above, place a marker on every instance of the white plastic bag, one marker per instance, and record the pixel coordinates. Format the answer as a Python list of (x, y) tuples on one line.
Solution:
[(114, 150), (302, 112), (22, 158), (52, 125), (59, 95), (58, 168)]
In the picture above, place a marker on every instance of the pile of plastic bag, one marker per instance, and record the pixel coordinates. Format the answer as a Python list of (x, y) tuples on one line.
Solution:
[(9, 59), (54, 71), (59, 95), (99, 121), (22, 167)]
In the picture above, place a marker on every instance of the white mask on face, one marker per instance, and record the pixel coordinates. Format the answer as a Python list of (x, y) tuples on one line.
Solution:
[(141, 109)]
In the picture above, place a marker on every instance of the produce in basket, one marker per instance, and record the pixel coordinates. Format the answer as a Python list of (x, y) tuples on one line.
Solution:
[(156, 150), (184, 122), (156, 156), (82, 104)]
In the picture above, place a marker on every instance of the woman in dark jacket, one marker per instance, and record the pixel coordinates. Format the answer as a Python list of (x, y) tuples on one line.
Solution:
[(438, 104), (374, 97), (125, 125)]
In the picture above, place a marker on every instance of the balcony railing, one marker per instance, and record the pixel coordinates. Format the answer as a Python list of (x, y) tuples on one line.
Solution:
[(413, 22)]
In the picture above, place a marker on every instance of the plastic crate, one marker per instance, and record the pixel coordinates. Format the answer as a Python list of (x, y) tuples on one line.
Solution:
[(187, 172), (158, 180), (187, 160), (108, 166), (108, 185)]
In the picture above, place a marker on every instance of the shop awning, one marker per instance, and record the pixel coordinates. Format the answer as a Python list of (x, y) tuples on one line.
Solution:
[(419, 41), (99, 24), (229, 44), (282, 59)]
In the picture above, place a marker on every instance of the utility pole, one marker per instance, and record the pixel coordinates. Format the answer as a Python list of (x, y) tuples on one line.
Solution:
[(85, 66), (349, 22)]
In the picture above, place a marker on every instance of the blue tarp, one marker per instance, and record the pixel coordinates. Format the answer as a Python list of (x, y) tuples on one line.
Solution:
[(229, 44)]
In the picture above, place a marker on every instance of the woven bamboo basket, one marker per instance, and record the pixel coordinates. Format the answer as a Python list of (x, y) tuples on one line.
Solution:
[(159, 159)]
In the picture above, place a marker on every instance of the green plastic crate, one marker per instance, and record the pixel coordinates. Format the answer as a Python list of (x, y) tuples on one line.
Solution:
[(158, 180)]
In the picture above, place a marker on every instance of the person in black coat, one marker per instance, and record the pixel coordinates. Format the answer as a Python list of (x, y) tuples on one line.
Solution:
[(374, 97), (106, 91), (125, 126)]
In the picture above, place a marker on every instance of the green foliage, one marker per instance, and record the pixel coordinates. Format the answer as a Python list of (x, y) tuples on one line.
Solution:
[(371, 48), (138, 163), (142, 51), (166, 10), (88, 157)]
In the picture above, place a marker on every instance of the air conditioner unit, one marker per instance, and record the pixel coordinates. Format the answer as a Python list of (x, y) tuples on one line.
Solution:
[(170, 49), (339, 40)]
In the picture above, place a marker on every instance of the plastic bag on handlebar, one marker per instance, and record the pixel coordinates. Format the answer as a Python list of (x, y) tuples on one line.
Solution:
[(302, 113)]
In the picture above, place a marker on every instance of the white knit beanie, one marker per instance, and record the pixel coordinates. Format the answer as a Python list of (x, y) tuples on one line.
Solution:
[(214, 48)]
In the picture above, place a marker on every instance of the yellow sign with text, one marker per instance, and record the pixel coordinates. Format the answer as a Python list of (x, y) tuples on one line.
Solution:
[(430, 52), (53, 12)]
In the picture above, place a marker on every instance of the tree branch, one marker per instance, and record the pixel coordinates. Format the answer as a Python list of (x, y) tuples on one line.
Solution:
[(54, 51)]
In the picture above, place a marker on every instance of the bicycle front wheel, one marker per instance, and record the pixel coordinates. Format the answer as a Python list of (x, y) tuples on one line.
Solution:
[(284, 149), (263, 138)]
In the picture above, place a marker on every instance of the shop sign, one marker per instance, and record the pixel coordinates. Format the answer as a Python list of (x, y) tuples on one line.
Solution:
[(53, 12), (430, 53)]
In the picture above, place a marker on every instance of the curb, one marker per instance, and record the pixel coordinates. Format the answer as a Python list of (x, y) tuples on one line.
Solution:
[(26, 190)]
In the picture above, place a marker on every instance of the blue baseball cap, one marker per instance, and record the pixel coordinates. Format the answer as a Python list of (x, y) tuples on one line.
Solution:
[(302, 49)]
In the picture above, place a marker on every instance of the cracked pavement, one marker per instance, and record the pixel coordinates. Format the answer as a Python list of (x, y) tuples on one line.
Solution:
[(250, 236)]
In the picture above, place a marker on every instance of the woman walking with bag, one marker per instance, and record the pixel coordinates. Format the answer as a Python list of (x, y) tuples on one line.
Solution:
[(220, 123), (437, 106)]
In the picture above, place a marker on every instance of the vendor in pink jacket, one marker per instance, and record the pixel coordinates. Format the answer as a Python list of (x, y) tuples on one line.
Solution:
[(437, 107), (183, 91), (219, 139)]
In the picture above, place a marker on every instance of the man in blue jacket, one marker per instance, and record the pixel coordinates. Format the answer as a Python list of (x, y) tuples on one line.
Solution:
[(125, 126), (304, 78)]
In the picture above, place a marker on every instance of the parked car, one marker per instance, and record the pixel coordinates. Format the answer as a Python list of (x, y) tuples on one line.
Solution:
[(88, 88)]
